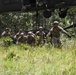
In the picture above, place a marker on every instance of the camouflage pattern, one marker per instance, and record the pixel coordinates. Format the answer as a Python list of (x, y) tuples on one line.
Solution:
[(31, 38), (22, 39), (55, 33), (6, 33), (56, 42), (41, 35), (15, 38)]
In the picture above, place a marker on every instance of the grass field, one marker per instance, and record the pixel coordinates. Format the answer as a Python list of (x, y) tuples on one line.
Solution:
[(43, 60)]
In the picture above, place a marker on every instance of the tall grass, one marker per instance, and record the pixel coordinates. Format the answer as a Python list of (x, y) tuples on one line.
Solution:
[(35, 60)]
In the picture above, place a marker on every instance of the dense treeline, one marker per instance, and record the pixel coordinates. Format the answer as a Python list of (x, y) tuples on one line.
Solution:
[(31, 20)]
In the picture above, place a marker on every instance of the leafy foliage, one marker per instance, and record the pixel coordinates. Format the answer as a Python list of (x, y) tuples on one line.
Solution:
[(38, 60), (28, 21)]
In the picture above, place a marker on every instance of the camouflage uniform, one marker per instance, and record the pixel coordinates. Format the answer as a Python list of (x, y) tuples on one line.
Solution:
[(15, 38), (22, 39), (41, 35), (55, 32), (6, 33), (30, 38)]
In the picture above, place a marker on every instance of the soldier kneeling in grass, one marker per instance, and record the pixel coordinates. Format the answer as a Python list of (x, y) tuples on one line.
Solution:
[(17, 35), (55, 32), (6, 33), (22, 39), (31, 38)]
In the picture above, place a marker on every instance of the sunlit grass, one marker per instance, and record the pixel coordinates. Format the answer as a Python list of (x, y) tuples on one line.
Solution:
[(44, 60)]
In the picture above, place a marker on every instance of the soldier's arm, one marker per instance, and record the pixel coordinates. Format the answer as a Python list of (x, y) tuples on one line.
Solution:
[(18, 40), (49, 33), (65, 32), (25, 39), (44, 35), (3, 34), (9, 34), (37, 33)]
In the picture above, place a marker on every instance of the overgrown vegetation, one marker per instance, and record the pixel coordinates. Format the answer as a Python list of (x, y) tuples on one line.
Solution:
[(38, 60), (30, 21)]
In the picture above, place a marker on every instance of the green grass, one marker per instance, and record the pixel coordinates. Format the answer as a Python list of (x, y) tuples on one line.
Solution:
[(45, 60)]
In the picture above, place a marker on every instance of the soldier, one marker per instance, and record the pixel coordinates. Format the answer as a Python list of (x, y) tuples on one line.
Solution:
[(41, 35), (15, 38), (55, 34), (30, 38), (6, 33), (21, 39), (19, 33)]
